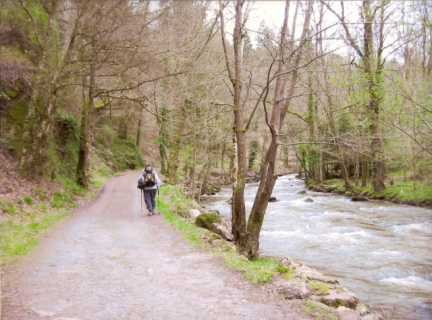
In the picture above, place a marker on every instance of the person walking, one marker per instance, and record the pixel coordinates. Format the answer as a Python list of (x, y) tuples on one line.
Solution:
[(149, 183)]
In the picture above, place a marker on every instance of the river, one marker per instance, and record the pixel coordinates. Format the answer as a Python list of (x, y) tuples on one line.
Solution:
[(380, 251)]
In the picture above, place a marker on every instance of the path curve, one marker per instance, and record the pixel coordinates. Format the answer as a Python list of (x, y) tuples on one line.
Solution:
[(109, 262)]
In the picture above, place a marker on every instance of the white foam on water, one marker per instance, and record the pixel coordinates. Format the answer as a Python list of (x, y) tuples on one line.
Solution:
[(410, 281), (282, 234), (413, 227), (387, 253), (299, 202), (336, 213), (347, 237)]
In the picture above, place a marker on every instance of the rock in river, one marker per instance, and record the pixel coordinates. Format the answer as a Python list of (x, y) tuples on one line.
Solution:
[(358, 198), (273, 199)]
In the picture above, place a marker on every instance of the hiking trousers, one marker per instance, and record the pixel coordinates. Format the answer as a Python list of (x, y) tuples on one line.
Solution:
[(150, 199)]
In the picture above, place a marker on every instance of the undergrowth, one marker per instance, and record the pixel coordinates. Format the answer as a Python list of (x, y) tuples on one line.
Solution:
[(411, 192)]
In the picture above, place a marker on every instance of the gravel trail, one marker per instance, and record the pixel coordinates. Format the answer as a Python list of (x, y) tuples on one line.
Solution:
[(110, 262)]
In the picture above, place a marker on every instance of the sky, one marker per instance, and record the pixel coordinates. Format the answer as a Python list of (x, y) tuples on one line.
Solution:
[(271, 12)]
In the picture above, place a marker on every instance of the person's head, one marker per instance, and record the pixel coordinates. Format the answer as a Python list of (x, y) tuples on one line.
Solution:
[(148, 168)]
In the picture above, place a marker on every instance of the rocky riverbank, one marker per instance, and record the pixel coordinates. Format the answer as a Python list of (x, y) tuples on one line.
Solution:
[(321, 296)]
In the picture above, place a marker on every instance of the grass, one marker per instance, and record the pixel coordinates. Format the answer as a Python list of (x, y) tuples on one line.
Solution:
[(169, 199), (8, 207), (319, 288), (20, 237), (258, 271), (319, 311), (409, 191)]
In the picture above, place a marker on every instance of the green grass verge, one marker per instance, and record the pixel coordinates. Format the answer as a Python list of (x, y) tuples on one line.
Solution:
[(172, 203), (410, 192), (19, 237), (25, 224)]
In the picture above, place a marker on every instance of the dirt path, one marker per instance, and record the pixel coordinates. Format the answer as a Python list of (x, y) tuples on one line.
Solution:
[(108, 262)]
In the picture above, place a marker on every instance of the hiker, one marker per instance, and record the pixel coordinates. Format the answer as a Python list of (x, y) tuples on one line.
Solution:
[(149, 184)]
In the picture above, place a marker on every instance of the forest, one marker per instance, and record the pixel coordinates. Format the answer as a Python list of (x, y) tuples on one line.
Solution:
[(340, 93)]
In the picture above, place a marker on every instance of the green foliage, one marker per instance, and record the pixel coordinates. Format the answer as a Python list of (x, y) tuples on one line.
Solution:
[(318, 287), (70, 186), (100, 175), (287, 273), (8, 207), (120, 154), (105, 136), (28, 200), (257, 271), (18, 238), (40, 194), (207, 219), (169, 198), (125, 155), (66, 144), (410, 192), (62, 200), (344, 123)]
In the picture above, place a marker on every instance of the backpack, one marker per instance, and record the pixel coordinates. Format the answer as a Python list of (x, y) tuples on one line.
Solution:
[(147, 180)]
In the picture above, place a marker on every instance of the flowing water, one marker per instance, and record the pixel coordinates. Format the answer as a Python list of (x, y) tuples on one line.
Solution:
[(380, 251)]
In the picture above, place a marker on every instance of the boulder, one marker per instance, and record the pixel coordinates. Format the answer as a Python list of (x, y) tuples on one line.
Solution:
[(312, 274), (252, 177), (215, 223), (273, 199), (302, 192), (295, 289), (287, 262), (363, 309), (194, 213), (358, 198), (308, 200), (372, 316), (345, 313), (336, 299)]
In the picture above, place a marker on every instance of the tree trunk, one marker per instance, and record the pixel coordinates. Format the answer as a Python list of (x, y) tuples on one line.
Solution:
[(374, 75), (238, 202), (85, 140), (267, 176)]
